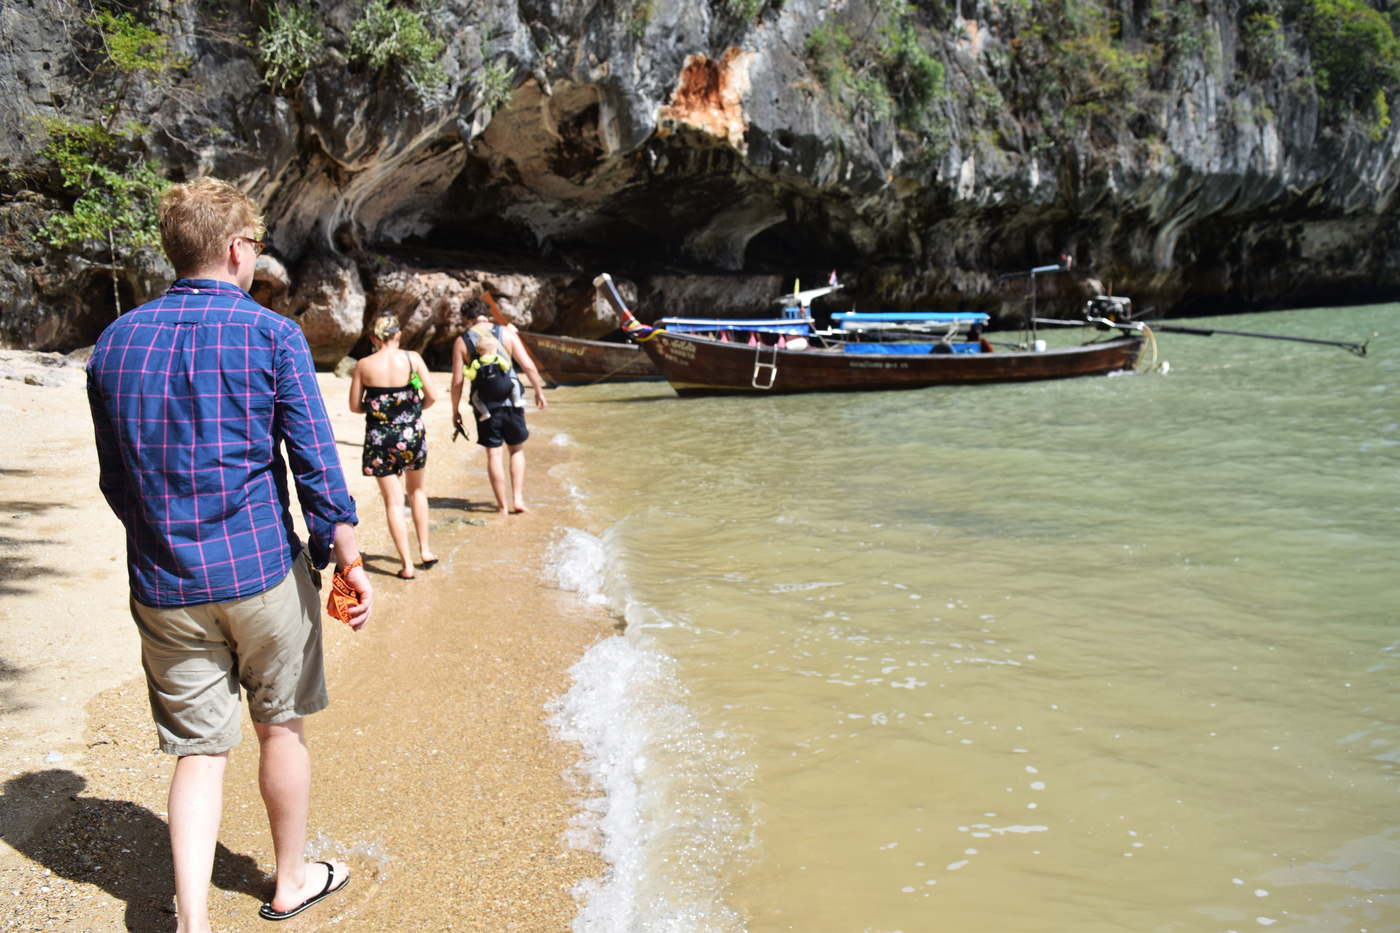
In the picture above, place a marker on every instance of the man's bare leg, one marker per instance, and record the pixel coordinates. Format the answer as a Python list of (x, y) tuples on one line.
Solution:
[(517, 477), (196, 806), (418, 503), (392, 492), (284, 776), (495, 471)]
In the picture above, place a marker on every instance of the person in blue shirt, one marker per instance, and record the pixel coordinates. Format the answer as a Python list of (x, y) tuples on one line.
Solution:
[(200, 401)]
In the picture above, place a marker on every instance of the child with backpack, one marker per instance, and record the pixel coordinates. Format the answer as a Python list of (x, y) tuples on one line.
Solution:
[(493, 382)]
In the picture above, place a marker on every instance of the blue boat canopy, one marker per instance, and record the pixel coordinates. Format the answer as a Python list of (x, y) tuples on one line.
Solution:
[(853, 320), (792, 327), (913, 349)]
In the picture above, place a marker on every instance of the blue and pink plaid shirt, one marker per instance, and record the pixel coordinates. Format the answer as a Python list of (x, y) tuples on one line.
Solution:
[(192, 397)]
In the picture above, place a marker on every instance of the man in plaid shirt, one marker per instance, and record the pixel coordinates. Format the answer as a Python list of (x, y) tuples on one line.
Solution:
[(193, 397)]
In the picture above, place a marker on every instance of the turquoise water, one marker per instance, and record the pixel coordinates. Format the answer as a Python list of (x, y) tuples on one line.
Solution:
[(1111, 653)]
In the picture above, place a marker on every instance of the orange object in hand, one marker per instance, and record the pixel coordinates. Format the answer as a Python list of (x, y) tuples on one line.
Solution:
[(343, 597)]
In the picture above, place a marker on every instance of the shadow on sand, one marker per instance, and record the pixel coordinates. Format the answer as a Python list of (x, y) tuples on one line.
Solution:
[(18, 573), (117, 845)]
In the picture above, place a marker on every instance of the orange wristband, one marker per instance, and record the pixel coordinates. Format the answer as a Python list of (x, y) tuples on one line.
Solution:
[(343, 596)]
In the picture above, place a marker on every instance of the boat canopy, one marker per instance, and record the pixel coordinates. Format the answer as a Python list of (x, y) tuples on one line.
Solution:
[(921, 349), (792, 327), (852, 320)]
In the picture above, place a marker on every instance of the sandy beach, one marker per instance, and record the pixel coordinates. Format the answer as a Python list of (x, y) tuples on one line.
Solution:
[(435, 772)]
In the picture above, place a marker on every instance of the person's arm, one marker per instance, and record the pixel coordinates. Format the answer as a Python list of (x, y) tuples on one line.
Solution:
[(421, 368), (111, 468), (357, 392), (346, 550), (301, 423), (459, 356), (523, 360)]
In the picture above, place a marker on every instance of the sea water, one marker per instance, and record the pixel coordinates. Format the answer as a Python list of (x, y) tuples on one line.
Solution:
[(1094, 654)]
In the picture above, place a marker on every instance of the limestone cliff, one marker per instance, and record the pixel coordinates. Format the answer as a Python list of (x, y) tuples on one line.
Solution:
[(1183, 153)]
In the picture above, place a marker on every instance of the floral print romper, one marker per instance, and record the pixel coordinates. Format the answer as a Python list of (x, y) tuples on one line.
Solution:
[(394, 437)]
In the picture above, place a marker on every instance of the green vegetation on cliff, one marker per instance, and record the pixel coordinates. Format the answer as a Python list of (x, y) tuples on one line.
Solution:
[(291, 43), (1356, 58), (116, 197), (881, 70), (387, 36), (131, 48), (1060, 68)]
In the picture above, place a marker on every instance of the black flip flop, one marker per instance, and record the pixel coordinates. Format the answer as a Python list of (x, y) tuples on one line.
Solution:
[(428, 564), (267, 913)]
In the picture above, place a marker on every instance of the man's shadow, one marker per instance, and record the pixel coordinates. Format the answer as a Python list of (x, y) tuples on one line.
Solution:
[(117, 845)]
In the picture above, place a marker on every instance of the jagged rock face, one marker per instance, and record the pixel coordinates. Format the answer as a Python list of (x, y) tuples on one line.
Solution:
[(703, 159), (329, 304)]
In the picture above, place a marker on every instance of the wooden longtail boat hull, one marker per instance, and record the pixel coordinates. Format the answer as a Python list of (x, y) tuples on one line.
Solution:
[(696, 366), (575, 361)]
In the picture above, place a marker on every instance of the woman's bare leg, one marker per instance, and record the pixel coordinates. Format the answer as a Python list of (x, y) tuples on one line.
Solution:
[(392, 491), (418, 503)]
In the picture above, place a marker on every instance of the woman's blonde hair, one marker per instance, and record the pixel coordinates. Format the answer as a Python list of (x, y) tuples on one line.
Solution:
[(197, 219), (384, 325)]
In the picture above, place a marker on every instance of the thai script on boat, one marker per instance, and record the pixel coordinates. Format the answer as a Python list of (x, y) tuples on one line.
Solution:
[(560, 348), (677, 351), (862, 364)]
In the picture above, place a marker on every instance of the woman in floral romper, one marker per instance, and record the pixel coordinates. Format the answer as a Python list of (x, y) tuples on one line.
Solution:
[(391, 387)]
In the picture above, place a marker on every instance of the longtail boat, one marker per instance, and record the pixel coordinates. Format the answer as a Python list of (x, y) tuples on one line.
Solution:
[(698, 366), (695, 364), (575, 361)]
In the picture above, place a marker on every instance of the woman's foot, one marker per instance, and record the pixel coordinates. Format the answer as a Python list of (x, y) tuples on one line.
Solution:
[(427, 558), (518, 509), (406, 574)]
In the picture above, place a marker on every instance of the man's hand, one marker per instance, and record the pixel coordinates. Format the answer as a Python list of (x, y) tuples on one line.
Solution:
[(359, 582), (346, 551), (540, 403)]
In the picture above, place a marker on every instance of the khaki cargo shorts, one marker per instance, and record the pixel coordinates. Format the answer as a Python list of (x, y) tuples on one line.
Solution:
[(197, 656)]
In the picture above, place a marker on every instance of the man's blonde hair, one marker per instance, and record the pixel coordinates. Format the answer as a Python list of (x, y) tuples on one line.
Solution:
[(198, 219)]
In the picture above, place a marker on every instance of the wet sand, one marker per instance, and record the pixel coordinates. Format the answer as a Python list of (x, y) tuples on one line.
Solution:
[(435, 773)]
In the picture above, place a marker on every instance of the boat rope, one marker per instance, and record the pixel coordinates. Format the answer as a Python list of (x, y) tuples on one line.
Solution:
[(619, 369), (1142, 351)]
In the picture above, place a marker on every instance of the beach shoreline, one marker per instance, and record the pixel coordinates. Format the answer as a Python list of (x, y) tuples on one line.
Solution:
[(435, 771)]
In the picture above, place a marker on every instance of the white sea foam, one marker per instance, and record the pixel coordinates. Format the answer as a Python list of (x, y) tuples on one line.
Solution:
[(672, 819), (362, 855), (802, 587), (577, 560), (561, 439)]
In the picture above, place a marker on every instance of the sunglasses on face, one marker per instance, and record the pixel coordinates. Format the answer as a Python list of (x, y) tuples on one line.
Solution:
[(258, 245)]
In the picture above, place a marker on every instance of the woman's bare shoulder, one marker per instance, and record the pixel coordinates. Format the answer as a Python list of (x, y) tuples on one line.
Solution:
[(372, 368)]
